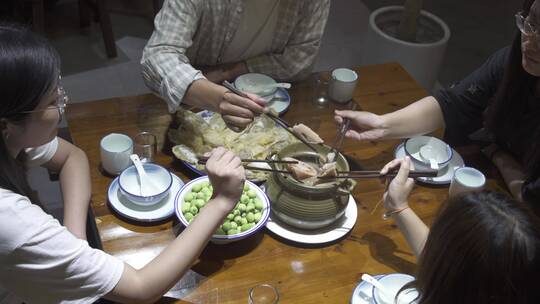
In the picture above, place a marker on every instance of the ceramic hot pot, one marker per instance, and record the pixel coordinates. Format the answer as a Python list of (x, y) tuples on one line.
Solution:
[(305, 206)]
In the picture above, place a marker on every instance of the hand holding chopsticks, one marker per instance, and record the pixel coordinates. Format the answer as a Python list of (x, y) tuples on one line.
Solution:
[(275, 118)]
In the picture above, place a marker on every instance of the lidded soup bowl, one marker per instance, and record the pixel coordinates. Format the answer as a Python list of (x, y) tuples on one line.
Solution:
[(307, 206)]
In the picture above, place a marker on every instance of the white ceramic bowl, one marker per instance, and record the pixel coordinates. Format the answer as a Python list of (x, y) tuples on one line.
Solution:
[(130, 187), (393, 283), (218, 238), (256, 83), (422, 148)]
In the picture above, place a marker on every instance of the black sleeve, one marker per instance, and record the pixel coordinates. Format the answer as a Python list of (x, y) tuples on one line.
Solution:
[(530, 192), (463, 103)]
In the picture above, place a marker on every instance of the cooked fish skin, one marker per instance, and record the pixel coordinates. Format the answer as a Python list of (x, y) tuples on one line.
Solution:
[(301, 170), (307, 134)]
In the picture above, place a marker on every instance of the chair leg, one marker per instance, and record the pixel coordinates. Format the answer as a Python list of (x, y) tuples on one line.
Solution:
[(106, 28), (38, 15), (84, 13)]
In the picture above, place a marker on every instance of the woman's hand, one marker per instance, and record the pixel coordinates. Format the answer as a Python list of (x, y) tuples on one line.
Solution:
[(395, 197), (239, 111), (364, 125), (226, 175)]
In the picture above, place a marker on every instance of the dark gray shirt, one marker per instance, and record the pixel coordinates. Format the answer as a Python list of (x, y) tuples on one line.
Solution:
[(463, 105)]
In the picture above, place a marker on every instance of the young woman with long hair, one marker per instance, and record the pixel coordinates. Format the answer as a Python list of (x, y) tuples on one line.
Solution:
[(503, 96), (40, 260), (482, 248)]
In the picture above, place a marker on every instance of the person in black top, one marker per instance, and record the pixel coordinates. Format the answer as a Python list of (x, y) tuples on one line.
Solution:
[(502, 97)]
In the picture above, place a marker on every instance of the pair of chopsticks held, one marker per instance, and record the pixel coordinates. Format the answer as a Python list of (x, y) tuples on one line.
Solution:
[(203, 159), (340, 174), (275, 118)]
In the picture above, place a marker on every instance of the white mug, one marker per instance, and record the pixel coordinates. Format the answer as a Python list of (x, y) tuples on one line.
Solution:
[(115, 151), (342, 85), (466, 179)]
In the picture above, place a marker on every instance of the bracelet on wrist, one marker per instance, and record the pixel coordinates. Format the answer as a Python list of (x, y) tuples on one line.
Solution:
[(388, 214)]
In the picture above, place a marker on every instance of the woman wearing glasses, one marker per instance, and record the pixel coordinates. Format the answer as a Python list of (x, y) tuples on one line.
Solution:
[(42, 261), (502, 96)]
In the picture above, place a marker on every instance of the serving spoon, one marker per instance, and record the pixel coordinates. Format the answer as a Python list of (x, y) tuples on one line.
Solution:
[(371, 280), (147, 186)]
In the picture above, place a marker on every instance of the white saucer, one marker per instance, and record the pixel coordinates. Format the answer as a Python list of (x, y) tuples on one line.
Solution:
[(445, 175), (363, 293), (157, 212), (317, 236)]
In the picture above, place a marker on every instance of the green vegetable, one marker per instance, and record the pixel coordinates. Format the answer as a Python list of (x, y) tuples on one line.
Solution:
[(246, 214), (188, 197), (252, 194), (196, 188), (185, 207)]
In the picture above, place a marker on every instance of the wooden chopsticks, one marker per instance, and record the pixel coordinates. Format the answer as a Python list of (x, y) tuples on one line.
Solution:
[(376, 174), (338, 140), (276, 119), (203, 159)]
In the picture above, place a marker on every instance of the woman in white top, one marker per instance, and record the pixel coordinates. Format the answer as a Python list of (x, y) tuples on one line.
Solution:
[(42, 261)]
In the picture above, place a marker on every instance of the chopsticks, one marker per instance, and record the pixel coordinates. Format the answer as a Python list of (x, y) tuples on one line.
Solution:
[(203, 159), (276, 119), (282, 123), (377, 174), (338, 140)]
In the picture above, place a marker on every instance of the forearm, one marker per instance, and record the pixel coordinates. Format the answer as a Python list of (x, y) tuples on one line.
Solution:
[(511, 171), (76, 192), (205, 94), (158, 276), (418, 118), (413, 228)]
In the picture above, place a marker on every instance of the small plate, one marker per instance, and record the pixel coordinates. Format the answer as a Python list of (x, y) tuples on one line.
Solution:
[(316, 236), (154, 213), (362, 294), (445, 174)]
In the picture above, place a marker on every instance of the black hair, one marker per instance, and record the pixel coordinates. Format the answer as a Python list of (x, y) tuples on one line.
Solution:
[(29, 71), (482, 248)]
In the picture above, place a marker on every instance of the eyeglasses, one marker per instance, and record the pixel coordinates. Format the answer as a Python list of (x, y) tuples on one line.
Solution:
[(61, 101), (525, 27)]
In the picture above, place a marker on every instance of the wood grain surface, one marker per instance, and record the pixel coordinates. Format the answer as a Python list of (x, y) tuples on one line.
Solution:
[(303, 274)]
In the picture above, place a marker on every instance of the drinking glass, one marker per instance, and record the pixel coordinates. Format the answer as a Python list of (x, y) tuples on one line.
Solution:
[(320, 91), (263, 294), (145, 146)]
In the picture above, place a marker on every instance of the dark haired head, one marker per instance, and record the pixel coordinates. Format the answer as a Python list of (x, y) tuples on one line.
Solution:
[(29, 71), (482, 248)]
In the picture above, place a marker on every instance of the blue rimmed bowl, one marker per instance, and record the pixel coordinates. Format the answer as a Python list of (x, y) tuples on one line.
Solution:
[(129, 185), (223, 238)]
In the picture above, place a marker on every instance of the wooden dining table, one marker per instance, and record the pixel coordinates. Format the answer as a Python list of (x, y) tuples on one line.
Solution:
[(322, 273)]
